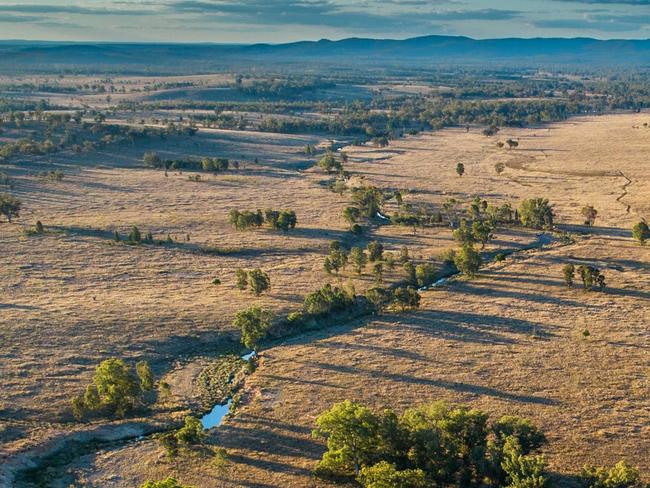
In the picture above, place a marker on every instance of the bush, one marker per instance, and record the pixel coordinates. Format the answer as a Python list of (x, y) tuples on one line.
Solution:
[(640, 232), (425, 274)]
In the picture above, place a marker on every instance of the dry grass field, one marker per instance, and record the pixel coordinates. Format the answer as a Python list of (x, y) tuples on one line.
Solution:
[(510, 341)]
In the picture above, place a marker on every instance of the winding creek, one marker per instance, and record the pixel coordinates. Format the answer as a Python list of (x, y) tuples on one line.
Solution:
[(64, 452)]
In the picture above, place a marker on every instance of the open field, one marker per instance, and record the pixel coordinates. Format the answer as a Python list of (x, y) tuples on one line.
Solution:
[(509, 341)]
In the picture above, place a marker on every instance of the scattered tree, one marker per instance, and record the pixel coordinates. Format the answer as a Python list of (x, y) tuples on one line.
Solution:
[(468, 260), (640, 232), (460, 169), (569, 271), (589, 213), (536, 213), (9, 206), (254, 324)]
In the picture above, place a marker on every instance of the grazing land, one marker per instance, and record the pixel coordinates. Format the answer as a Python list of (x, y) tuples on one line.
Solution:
[(509, 339)]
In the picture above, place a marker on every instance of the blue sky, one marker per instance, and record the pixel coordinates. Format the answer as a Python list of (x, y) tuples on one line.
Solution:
[(290, 20)]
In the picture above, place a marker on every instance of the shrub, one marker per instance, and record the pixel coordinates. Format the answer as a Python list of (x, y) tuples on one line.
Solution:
[(460, 169), (39, 227), (640, 232)]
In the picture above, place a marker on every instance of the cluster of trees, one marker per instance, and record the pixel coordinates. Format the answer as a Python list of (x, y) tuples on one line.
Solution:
[(441, 445), (276, 219), (55, 132), (332, 164), (536, 213), (214, 165), (116, 389), (257, 280), (134, 237), (367, 202), (592, 278), (429, 445)]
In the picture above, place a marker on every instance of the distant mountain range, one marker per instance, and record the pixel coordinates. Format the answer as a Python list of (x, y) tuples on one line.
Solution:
[(426, 51)]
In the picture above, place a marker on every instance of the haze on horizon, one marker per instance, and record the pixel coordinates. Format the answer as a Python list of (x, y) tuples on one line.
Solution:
[(274, 21)]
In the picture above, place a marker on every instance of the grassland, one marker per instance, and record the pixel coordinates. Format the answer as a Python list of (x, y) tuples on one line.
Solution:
[(510, 341)]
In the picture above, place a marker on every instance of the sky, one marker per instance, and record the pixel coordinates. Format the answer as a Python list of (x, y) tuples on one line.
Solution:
[(275, 21)]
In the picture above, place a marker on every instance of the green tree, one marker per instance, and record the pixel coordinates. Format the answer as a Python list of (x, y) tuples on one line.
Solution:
[(166, 483), (117, 387), (386, 475), (640, 231), (424, 274), (468, 260), (352, 433), (358, 258), (483, 232), (536, 213), (329, 163), (460, 169), (241, 278), (152, 160), (375, 251), (569, 271), (411, 273), (9, 206), (522, 471), (145, 375), (589, 213), (191, 433), (463, 234), (621, 475), (259, 281), (378, 272), (134, 235), (351, 215), (379, 297), (406, 297), (254, 324)]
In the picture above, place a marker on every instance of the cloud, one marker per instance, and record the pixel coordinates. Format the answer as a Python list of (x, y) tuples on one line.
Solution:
[(417, 16), (609, 2), (583, 24), (69, 9)]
